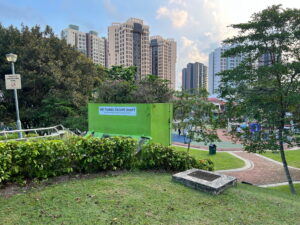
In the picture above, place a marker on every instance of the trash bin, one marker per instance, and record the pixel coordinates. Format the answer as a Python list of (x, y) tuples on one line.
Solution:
[(212, 149)]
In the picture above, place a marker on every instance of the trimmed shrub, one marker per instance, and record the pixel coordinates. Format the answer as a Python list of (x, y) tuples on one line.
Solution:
[(6, 160), (46, 158), (95, 154), (156, 156), (39, 159), (15, 136)]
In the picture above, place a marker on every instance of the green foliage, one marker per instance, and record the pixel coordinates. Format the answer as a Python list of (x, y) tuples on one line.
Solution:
[(57, 80), (156, 156), (121, 87), (266, 94), (194, 115), (115, 91), (94, 154), (152, 89), (121, 73), (15, 136), (41, 159)]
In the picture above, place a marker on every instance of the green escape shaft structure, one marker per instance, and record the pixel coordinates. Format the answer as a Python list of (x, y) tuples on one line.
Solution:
[(152, 121)]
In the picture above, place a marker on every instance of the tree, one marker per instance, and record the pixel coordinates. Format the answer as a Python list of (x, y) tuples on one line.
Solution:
[(122, 73), (194, 114), (121, 87), (152, 89), (263, 91), (57, 80)]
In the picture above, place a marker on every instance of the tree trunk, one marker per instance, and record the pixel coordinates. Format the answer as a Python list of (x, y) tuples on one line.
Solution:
[(189, 145), (284, 162)]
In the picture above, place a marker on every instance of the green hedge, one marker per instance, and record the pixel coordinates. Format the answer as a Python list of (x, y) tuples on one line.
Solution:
[(40, 159), (15, 136), (156, 156), (95, 154)]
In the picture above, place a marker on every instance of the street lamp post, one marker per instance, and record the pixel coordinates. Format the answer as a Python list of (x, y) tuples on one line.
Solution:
[(12, 58)]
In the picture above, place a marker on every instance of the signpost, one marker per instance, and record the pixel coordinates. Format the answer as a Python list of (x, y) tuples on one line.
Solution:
[(13, 81)]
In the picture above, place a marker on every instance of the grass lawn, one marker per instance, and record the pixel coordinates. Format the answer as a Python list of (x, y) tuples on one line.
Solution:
[(292, 157), (285, 188), (222, 160), (146, 198)]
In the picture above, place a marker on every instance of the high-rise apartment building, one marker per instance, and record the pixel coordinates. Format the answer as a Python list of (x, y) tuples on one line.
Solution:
[(194, 76), (96, 47), (217, 64), (128, 45), (75, 38), (90, 44), (163, 58)]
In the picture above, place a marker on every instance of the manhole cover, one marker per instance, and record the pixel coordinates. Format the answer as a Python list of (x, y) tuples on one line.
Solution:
[(204, 176)]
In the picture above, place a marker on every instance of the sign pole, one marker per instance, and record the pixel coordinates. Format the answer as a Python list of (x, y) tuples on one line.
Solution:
[(19, 126)]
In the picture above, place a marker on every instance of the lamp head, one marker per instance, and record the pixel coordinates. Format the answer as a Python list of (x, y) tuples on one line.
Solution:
[(11, 57)]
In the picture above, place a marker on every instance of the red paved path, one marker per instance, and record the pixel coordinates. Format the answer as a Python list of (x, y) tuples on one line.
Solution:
[(263, 172)]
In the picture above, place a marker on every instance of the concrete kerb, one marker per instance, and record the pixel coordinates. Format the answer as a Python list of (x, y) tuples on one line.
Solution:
[(277, 184), (274, 161), (248, 164)]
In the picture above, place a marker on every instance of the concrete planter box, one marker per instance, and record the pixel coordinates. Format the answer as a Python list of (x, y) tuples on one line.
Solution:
[(206, 181)]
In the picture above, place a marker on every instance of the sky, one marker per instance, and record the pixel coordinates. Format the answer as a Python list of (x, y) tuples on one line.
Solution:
[(198, 26)]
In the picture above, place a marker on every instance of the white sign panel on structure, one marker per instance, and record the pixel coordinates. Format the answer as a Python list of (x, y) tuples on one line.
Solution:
[(117, 111), (13, 81)]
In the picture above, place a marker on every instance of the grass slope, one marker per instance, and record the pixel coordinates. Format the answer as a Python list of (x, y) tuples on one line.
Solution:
[(286, 189), (147, 198), (222, 160), (292, 157)]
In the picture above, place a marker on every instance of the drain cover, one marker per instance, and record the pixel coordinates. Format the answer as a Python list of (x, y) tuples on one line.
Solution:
[(204, 175)]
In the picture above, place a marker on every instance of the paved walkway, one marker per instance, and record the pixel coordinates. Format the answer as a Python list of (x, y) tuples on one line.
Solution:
[(258, 170), (262, 171)]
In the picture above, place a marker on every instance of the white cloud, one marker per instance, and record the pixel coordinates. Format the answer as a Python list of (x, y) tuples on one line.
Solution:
[(179, 2), (178, 17), (195, 55), (202, 25), (186, 42), (191, 51), (208, 34)]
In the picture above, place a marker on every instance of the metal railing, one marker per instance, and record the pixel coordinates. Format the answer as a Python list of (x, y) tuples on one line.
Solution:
[(45, 132)]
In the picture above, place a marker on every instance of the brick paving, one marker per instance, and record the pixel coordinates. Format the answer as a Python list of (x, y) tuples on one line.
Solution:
[(263, 171)]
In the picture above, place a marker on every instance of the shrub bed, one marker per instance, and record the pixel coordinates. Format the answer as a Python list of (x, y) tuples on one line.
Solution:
[(95, 154), (40, 159), (156, 156), (15, 136)]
